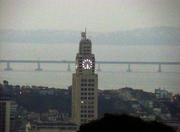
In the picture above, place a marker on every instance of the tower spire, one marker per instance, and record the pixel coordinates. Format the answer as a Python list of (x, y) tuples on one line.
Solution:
[(83, 34)]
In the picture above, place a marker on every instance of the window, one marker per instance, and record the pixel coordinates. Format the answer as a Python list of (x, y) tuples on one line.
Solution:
[(90, 89), (90, 84), (83, 84), (83, 98), (83, 111), (83, 115), (90, 115), (90, 93), (83, 89), (83, 93), (90, 106), (90, 111), (91, 80), (83, 106), (90, 98), (83, 80)]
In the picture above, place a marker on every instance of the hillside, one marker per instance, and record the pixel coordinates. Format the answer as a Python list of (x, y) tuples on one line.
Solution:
[(146, 36), (126, 100)]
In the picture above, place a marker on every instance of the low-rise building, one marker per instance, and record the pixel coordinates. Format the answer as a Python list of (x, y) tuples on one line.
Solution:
[(53, 127), (33, 116), (162, 94)]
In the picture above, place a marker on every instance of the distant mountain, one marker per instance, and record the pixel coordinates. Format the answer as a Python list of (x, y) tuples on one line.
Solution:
[(38, 36), (146, 36)]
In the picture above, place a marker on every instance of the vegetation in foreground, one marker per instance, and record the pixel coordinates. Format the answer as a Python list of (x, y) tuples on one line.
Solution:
[(124, 123)]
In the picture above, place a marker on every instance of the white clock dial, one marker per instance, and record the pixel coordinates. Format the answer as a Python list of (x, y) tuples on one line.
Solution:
[(87, 64)]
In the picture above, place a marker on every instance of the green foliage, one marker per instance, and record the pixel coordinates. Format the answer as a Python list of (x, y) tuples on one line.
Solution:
[(42, 103)]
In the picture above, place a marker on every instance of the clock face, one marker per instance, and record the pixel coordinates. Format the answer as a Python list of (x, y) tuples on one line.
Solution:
[(87, 64)]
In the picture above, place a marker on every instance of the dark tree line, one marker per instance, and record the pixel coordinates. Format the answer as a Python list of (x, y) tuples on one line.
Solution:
[(124, 123)]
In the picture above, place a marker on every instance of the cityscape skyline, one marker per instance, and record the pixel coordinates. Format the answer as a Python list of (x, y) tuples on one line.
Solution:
[(52, 80)]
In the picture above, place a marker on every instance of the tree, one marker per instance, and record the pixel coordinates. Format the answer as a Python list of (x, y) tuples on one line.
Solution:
[(124, 123)]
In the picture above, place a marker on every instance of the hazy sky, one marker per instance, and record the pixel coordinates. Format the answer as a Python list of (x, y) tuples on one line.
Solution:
[(96, 15)]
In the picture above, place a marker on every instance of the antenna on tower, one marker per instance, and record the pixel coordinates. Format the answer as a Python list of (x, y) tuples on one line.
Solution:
[(85, 32)]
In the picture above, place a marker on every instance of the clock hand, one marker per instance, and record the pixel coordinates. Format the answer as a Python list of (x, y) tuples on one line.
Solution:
[(87, 66)]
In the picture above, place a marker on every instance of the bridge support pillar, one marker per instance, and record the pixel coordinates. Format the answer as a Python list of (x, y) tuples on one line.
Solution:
[(99, 68), (8, 68), (38, 67), (69, 67), (159, 70), (129, 68)]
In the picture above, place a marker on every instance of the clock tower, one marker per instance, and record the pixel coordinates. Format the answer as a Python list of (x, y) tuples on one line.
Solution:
[(84, 84)]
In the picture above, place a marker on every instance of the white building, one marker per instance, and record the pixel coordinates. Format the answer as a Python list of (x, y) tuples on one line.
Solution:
[(162, 94)]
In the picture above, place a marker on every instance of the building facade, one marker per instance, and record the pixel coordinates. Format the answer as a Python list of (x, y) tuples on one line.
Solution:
[(53, 127), (4, 113), (162, 94), (84, 84)]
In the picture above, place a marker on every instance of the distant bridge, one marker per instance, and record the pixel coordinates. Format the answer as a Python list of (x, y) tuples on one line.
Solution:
[(69, 62)]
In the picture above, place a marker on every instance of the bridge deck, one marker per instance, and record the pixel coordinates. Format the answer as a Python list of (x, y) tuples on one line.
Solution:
[(98, 62)]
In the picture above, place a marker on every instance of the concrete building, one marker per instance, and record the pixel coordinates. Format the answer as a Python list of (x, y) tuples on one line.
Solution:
[(13, 116), (4, 113), (84, 84), (53, 127), (162, 94)]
